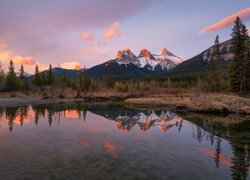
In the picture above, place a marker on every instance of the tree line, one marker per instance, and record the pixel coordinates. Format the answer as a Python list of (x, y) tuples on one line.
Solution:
[(236, 78)]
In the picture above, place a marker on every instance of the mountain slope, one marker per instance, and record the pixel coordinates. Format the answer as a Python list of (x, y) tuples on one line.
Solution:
[(202, 62), (117, 71)]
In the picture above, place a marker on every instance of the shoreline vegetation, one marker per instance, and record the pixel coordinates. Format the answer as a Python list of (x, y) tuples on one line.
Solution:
[(175, 99)]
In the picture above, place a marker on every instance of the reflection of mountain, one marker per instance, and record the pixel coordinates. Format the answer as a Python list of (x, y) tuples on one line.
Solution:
[(216, 129), (126, 119)]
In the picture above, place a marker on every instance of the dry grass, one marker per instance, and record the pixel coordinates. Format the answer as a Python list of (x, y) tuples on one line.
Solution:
[(180, 99), (203, 103)]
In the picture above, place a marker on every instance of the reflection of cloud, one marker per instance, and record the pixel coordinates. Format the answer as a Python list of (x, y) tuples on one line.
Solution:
[(71, 114), (86, 143), (223, 158), (111, 148), (88, 37), (112, 31), (227, 22), (25, 119)]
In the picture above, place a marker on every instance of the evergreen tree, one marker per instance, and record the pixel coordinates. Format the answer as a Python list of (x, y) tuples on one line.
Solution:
[(216, 64), (23, 78), (11, 78), (84, 81), (108, 81), (246, 69), (37, 78), (238, 68), (22, 73), (50, 76), (2, 77), (43, 80)]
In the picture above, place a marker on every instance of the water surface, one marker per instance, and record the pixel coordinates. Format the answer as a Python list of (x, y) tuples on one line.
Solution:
[(75, 141)]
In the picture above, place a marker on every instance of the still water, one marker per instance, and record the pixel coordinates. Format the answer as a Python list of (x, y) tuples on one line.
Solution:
[(76, 141)]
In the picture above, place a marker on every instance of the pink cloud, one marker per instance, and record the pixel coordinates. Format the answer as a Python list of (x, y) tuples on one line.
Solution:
[(112, 31), (227, 22), (71, 65), (88, 37), (23, 60)]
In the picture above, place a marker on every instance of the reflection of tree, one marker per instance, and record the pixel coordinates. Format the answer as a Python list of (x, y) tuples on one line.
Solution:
[(237, 133), (1, 115), (23, 114), (13, 112), (217, 152)]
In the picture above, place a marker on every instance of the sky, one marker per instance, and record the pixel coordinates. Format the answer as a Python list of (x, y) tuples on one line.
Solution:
[(78, 33)]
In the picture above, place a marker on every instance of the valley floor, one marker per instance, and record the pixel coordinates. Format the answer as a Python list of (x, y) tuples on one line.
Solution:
[(189, 102)]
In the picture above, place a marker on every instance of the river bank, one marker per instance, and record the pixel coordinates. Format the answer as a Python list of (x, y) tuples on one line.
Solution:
[(209, 103)]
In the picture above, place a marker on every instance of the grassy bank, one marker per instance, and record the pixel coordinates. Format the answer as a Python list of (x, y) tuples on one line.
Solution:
[(176, 99), (206, 103)]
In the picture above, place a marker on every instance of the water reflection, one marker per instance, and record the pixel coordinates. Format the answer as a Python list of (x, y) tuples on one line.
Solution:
[(126, 120), (213, 129)]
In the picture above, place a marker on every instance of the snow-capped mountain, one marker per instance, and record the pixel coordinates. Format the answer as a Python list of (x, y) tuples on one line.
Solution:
[(202, 62), (164, 61), (225, 51)]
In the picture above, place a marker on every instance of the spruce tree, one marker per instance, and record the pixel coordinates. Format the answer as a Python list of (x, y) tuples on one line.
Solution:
[(22, 73), (23, 78), (216, 64), (2, 77), (11, 78), (50, 76), (238, 67), (37, 79), (246, 65)]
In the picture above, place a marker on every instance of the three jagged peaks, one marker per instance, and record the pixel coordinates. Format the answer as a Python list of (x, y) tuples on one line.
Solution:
[(165, 61), (128, 54)]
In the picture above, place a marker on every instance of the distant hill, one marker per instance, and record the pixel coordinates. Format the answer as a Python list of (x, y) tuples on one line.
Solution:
[(60, 72)]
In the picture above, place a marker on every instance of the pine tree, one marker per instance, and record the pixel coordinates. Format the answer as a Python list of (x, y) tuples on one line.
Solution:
[(246, 65), (37, 78), (23, 78), (2, 77), (22, 73), (238, 67), (86, 81), (216, 64), (11, 78), (50, 76)]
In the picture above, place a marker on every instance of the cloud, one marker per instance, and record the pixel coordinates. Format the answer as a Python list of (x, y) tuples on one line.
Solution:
[(227, 22), (112, 31), (23, 60), (88, 37), (71, 65), (5, 55)]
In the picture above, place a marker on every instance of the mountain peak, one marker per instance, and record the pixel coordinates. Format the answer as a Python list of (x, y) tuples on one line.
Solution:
[(164, 51), (125, 54), (146, 53)]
